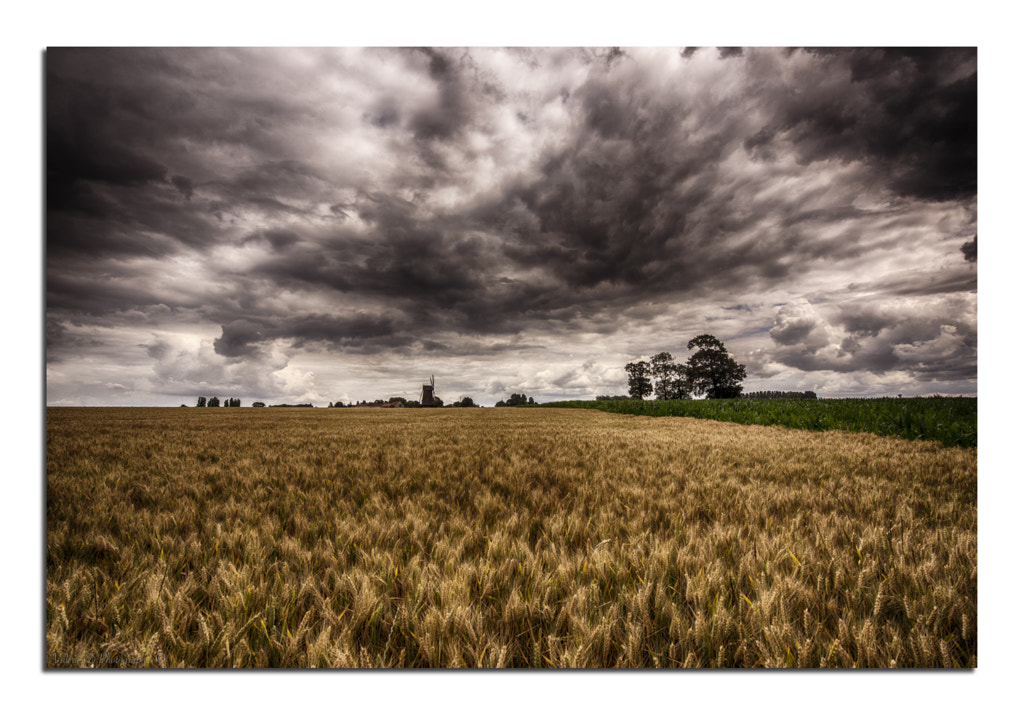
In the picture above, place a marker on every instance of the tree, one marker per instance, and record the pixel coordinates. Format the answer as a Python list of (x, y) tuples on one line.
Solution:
[(669, 378), (465, 402), (201, 402), (213, 402), (259, 404), (639, 374), (711, 371), (677, 386)]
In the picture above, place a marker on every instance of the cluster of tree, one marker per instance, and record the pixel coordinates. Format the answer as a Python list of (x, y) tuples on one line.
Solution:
[(779, 395), (613, 397), (464, 402), (438, 402), (710, 372), (666, 379), (515, 400), (215, 402), (304, 404), (401, 400)]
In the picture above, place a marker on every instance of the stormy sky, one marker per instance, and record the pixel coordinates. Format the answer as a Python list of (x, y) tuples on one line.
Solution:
[(305, 225)]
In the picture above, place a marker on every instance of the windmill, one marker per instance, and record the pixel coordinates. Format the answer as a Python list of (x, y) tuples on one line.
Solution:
[(427, 394)]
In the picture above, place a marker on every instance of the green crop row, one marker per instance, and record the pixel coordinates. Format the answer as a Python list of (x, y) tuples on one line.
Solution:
[(953, 421)]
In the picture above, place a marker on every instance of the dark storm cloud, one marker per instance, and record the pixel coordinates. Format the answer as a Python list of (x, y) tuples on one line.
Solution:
[(608, 207), (458, 90), (615, 205), (970, 250), (614, 54), (269, 178), (911, 113), (444, 118), (619, 204), (279, 240), (402, 259), (242, 338), (97, 124), (88, 293), (416, 199), (184, 185), (238, 338)]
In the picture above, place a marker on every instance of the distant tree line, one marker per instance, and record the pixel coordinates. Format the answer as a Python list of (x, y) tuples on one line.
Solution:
[(779, 395), (215, 402), (438, 402), (235, 402), (710, 372), (609, 398), (515, 400)]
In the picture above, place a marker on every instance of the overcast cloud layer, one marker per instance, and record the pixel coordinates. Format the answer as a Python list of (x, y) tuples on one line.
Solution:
[(325, 225)]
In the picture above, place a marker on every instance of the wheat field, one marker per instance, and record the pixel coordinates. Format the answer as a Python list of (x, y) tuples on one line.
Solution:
[(309, 538)]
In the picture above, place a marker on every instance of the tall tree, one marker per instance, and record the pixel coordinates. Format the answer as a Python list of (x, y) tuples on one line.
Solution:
[(639, 374), (201, 402), (712, 371)]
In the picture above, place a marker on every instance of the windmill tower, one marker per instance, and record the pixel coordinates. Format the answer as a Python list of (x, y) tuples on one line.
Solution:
[(427, 394)]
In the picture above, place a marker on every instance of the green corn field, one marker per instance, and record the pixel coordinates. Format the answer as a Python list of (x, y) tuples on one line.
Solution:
[(953, 421)]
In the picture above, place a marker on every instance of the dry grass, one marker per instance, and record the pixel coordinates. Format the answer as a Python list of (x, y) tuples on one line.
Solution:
[(496, 538)]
